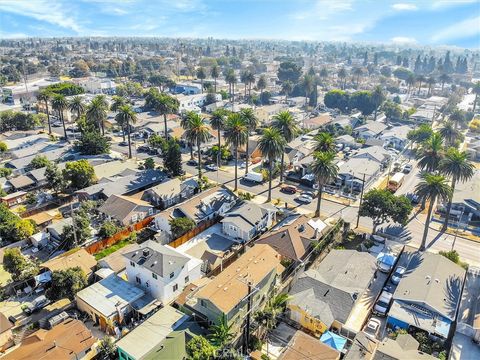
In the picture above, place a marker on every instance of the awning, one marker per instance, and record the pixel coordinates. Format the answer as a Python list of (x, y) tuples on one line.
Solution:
[(146, 304), (333, 340)]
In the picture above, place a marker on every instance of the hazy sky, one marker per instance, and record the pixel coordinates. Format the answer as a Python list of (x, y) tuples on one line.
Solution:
[(435, 22)]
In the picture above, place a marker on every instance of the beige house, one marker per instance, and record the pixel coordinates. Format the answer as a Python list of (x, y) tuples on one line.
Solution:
[(126, 210)]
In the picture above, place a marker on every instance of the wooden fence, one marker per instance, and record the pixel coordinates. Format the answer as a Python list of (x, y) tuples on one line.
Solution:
[(192, 233), (47, 206), (112, 240)]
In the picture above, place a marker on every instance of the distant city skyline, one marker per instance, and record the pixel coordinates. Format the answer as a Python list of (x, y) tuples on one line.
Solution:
[(425, 22)]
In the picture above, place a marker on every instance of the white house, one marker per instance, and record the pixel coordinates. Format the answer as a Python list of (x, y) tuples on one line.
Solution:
[(194, 102), (160, 270)]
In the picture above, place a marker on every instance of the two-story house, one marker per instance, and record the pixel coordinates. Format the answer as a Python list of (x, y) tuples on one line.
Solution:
[(126, 209), (170, 192), (161, 270), (228, 293), (248, 220)]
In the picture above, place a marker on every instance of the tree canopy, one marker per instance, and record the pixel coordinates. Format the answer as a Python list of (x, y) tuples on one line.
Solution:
[(66, 283)]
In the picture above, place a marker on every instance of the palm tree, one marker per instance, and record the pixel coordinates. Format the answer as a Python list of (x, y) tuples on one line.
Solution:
[(202, 75), (271, 145), (443, 79), (221, 334), (119, 101), (250, 81), (421, 79), (59, 103), (274, 307), (285, 123), (97, 112), (235, 133), (77, 105), (450, 133), (231, 79), (126, 115), (251, 121), (342, 75), (197, 132), (164, 105), (358, 72), (215, 73), (217, 122), (430, 81), (45, 96), (287, 88), (457, 116), (325, 171), (431, 153), (457, 166), (410, 81), (244, 80), (325, 142), (308, 84), (476, 91), (323, 75), (378, 98), (261, 85), (431, 188)]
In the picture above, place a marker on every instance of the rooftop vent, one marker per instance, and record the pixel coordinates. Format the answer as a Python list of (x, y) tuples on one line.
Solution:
[(146, 252), (301, 228)]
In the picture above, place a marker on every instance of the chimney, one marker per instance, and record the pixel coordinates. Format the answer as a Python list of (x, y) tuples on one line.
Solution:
[(146, 252)]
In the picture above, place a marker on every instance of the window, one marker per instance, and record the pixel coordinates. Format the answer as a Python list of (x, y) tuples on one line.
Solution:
[(147, 284), (202, 303), (172, 275), (150, 211), (175, 287), (134, 218), (138, 280), (187, 279), (154, 276), (132, 263)]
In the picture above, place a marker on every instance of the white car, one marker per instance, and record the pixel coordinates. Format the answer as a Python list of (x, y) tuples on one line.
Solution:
[(397, 275), (372, 328), (304, 198), (377, 239), (383, 303), (243, 165), (211, 167)]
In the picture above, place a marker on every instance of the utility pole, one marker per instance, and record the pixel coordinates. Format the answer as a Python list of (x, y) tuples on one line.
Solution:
[(361, 200), (249, 308)]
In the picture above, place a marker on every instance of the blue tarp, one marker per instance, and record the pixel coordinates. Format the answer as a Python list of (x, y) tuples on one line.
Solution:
[(333, 340), (386, 258)]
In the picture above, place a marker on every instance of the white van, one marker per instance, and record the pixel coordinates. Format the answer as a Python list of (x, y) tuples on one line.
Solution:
[(253, 177)]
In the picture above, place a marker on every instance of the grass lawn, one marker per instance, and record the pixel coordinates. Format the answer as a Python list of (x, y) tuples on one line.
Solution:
[(4, 276), (112, 249)]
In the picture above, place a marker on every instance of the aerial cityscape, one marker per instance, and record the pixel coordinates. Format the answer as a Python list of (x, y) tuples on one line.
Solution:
[(264, 180)]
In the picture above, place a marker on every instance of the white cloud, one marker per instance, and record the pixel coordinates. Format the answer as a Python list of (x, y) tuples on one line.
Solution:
[(52, 12), (403, 40), (404, 7), (462, 29)]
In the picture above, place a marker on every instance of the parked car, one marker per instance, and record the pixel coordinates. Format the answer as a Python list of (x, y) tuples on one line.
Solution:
[(211, 167), (192, 162), (143, 148), (36, 305), (372, 328), (57, 124), (386, 261), (383, 303), (378, 239), (288, 189), (253, 177), (309, 193), (123, 143), (413, 198), (397, 275), (304, 198), (407, 168)]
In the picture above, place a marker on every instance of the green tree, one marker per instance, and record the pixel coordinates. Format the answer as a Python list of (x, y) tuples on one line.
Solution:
[(261, 84), (287, 88), (76, 234), (91, 142), (324, 142), (325, 171), (180, 226), (76, 105), (342, 75), (272, 146), (66, 283), (96, 113), (431, 153), (5, 172), (215, 73), (59, 104), (157, 142), (289, 71), (235, 134), (476, 91), (38, 162), (46, 96), (231, 79), (149, 163), (197, 132), (202, 75), (164, 105), (457, 117), (54, 177), (431, 188), (217, 121), (221, 333), (337, 99), (251, 121), (198, 348), (172, 159), (363, 101), (14, 262), (381, 205), (108, 228), (421, 134), (378, 97), (80, 174), (286, 125), (127, 116), (450, 133), (3, 147), (24, 228), (457, 166), (107, 350)]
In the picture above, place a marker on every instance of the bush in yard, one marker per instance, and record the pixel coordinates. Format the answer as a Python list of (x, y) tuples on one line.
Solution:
[(66, 283), (180, 226), (108, 228)]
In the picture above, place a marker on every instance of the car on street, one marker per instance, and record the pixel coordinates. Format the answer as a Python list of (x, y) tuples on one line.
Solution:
[(192, 162), (304, 198), (372, 328), (123, 143), (386, 261), (211, 167), (378, 239), (383, 303), (397, 275), (57, 124), (413, 198), (143, 148), (407, 169), (288, 189), (36, 305), (309, 193), (243, 165)]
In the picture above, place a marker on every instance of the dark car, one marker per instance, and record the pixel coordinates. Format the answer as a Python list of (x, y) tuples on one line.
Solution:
[(36, 305), (143, 148), (413, 198), (288, 189), (123, 143), (192, 162)]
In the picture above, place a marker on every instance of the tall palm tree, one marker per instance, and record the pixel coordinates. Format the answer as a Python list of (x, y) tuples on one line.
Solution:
[(45, 96), (231, 79), (261, 85), (126, 115), (271, 145), (324, 142), (430, 81), (411, 79), (431, 188), (285, 123), (421, 79), (357, 72), (215, 73), (323, 75), (457, 116), (77, 105), (97, 112), (235, 133), (217, 121), (308, 83), (202, 75), (457, 166), (164, 105), (221, 334), (450, 133), (325, 171), (342, 75), (59, 103), (287, 88), (197, 132), (431, 153), (444, 78), (476, 91), (244, 80), (250, 81), (251, 121), (378, 97), (117, 102)]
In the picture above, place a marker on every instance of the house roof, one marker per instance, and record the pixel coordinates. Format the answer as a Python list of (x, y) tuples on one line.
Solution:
[(293, 237), (112, 168), (21, 181), (61, 342), (160, 259), (230, 286), (375, 127), (405, 347), (433, 281), (119, 206), (378, 153), (5, 324), (247, 214), (151, 332), (80, 258), (399, 132), (115, 260), (358, 166), (41, 218), (318, 121), (303, 346), (109, 295)]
